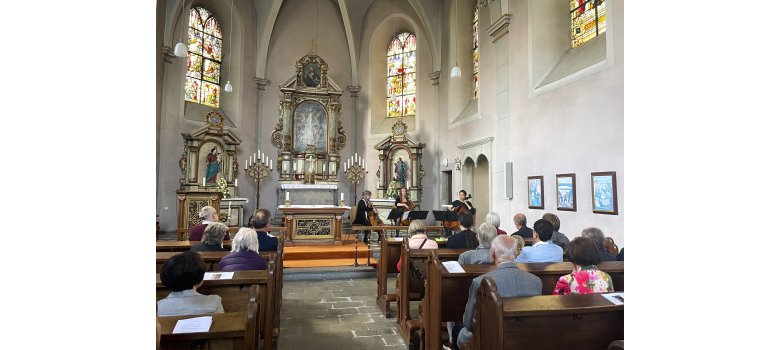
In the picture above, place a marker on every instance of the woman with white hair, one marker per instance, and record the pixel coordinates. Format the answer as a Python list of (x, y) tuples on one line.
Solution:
[(244, 253), (212, 238), (495, 220), (485, 235)]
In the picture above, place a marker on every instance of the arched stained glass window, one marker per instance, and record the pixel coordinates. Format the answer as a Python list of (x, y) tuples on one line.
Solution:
[(475, 50), (402, 76), (204, 58), (584, 23)]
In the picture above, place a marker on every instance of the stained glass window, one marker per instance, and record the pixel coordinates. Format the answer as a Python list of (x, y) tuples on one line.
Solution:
[(475, 50), (402, 76), (204, 58), (588, 19)]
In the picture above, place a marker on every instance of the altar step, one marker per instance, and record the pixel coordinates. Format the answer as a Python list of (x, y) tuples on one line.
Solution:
[(325, 256)]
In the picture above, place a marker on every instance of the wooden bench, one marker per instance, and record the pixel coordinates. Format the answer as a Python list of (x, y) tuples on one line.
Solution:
[(181, 233), (446, 293), (232, 330), (389, 254), (180, 246), (212, 259), (235, 292), (588, 322), (406, 291)]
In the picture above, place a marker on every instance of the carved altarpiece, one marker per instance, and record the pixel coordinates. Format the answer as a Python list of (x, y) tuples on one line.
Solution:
[(309, 133), (209, 154), (400, 145)]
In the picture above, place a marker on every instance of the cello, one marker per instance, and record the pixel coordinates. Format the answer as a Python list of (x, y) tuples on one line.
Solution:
[(453, 225), (374, 219), (409, 205)]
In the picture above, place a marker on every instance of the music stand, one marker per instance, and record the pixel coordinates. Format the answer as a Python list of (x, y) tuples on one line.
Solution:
[(395, 214), (418, 215), (445, 215)]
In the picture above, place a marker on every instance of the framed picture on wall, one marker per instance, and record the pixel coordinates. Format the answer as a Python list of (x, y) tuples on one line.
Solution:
[(604, 192), (536, 192), (566, 191)]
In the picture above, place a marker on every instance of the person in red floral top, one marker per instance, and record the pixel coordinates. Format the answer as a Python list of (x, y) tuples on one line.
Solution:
[(586, 278)]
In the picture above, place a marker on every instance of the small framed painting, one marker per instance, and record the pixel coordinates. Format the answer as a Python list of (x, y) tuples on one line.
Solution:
[(604, 192), (536, 192), (566, 191)]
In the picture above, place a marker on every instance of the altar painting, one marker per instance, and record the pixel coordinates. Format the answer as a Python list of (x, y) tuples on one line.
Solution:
[(310, 127)]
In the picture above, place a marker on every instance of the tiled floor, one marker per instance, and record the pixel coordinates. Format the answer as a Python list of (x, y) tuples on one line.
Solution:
[(335, 314)]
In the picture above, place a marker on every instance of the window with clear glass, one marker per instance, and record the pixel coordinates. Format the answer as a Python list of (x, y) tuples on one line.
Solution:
[(402, 76), (588, 19), (204, 58)]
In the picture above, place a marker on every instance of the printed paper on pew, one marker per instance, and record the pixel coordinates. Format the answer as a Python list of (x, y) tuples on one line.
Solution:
[(193, 325), (615, 298), (218, 276), (453, 267)]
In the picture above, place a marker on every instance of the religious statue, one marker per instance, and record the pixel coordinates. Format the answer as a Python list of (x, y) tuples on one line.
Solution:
[(308, 173), (213, 160), (401, 170)]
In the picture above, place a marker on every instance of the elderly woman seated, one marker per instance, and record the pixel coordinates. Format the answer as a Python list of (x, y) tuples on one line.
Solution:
[(586, 278), (244, 253), (418, 240), (485, 234), (494, 219), (183, 274), (212, 238)]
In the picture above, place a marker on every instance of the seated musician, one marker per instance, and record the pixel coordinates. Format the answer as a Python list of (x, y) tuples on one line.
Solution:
[(510, 282), (463, 204), (418, 240), (485, 234), (183, 274), (494, 219), (403, 202), (244, 253), (208, 215), (586, 278), (212, 238), (361, 217), (466, 238), (543, 249), (259, 222)]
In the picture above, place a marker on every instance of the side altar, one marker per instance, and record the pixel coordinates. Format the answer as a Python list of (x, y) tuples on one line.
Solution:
[(313, 224)]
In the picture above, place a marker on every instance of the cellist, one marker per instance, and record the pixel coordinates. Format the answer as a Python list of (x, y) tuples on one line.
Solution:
[(361, 217), (463, 204), (403, 202)]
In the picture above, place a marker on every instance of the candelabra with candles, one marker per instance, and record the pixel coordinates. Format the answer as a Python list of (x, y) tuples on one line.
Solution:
[(258, 170), (355, 170)]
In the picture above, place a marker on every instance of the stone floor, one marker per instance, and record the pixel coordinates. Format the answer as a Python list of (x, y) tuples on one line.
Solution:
[(335, 314)]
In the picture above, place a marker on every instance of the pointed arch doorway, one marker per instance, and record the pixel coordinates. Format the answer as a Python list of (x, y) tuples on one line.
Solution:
[(476, 176)]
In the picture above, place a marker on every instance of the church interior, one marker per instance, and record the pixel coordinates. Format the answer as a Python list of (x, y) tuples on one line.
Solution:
[(301, 107)]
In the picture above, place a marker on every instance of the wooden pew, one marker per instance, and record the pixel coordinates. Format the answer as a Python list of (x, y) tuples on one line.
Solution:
[(212, 259), (180, 246), (234, 293), (588, 322), (446, 293), (389, 254), (233, 330), (181, 233), (405, 293)]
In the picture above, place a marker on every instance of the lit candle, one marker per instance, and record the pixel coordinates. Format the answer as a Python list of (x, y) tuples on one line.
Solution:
[(342, 196), (287, 196), (204, 182), (246, 164)]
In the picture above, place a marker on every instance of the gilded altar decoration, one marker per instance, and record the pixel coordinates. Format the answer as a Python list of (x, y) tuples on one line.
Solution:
[(309, 132), (400, 164)]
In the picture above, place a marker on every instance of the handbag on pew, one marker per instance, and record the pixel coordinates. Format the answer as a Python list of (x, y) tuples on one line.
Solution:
[(417, 281), (612, 248)]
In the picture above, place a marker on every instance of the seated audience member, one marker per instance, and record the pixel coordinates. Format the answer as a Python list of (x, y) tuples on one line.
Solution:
[(183, 274), (558, 238), (520, 243), (485, 235), (598, 238), (212, 238), (586, 278), (243, 253), (495, 220), (543, 250), (259, 222), (510, 282), (522, 230), (418, 240), (619, 257), (466, 238), (208, 215)]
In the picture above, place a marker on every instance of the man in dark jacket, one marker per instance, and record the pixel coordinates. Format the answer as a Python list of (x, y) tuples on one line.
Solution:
[(259, 222), (466, 238), (522, 230)]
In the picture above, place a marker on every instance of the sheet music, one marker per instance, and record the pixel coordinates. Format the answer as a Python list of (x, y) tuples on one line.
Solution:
[(406, 215), (453, 267), (193, 325), (616, 298), (218, 275)]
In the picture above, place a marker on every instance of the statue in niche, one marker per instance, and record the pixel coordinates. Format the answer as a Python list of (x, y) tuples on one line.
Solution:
[(213, 161), (401, 171)]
